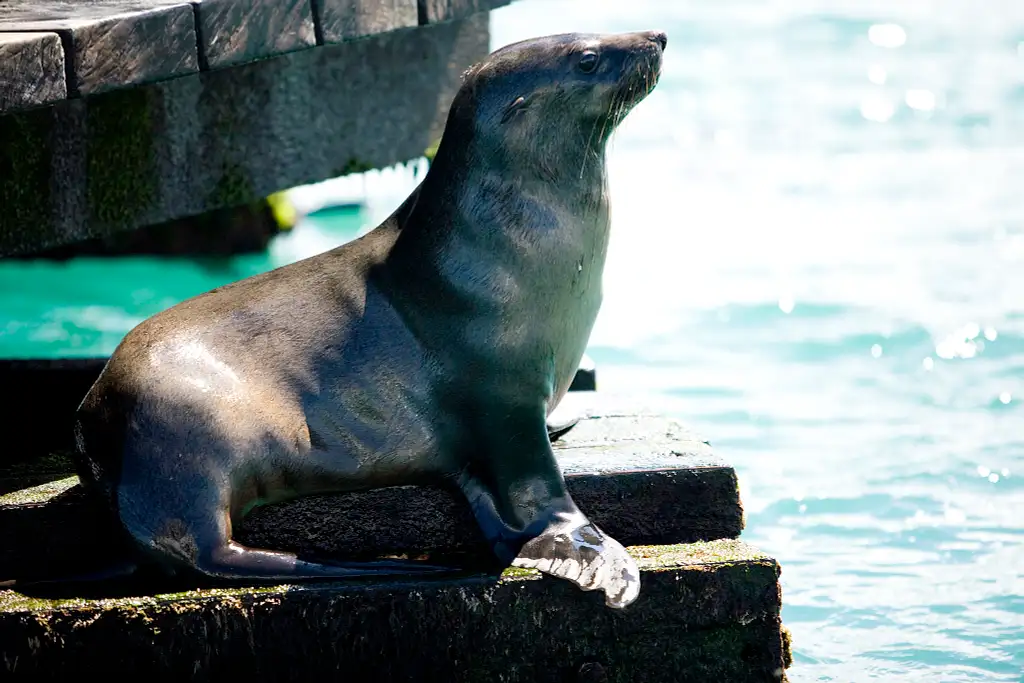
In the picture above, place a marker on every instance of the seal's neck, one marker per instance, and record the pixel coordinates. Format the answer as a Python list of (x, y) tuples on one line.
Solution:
[(565, 167), (478, 205), (488, 200), (571, 157)]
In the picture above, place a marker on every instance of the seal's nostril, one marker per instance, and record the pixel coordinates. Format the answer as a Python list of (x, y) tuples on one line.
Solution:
[(658, 37)]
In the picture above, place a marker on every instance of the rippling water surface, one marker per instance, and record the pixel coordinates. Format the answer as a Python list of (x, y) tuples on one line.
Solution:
[(818, 261)]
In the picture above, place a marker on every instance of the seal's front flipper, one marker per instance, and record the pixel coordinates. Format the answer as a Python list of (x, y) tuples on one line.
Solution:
[(573, 548), (519, 499)]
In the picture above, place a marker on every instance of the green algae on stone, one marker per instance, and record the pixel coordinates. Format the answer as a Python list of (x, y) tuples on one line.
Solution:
[(39, 494), (13, 601), (25, 167), (520, 574), (724, 551), (787, 647), (121, 174)]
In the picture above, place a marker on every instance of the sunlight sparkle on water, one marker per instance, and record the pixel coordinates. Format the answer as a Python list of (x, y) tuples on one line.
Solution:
[(876, 350), (961, 343), (928, 363), (877, 108), (725, 138), (955, 516), (1005, 397), (887, 35), (922, 100), (877, 74)]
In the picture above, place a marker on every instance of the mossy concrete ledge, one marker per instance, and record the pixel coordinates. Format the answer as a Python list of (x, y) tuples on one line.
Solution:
[(706, 612)]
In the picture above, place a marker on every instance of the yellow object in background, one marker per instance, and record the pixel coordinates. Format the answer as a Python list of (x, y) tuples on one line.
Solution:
[(283, 210)]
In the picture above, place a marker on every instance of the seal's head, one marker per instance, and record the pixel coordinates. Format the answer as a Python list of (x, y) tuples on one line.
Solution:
[(554, 97)]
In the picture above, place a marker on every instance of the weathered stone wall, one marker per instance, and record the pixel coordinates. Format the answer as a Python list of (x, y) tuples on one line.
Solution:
[(91, 166)]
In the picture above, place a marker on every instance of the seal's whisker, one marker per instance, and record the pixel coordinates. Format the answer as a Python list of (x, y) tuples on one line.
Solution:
[(619, 103), (609, 115)]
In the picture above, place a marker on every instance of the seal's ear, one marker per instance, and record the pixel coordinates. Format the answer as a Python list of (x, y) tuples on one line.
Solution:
[(511, 110)]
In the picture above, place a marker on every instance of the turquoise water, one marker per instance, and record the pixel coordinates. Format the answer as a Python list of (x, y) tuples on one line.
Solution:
[(818, 261)]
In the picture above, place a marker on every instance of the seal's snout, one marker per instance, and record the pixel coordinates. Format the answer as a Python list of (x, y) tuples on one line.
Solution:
[(643, 51), (658, 37)]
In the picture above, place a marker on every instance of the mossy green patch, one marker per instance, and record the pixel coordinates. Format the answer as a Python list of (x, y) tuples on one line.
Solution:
[(787, 647), (25, 166), (724, 551), (121, 174), (519, 574), (13, 601), (39, 494)]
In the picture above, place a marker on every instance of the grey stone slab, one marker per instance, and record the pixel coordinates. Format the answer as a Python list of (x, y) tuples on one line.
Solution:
[(706, 612), (110, 44), (89, 167), (31, 70), (347, 19), (234, 32), (433, 11)]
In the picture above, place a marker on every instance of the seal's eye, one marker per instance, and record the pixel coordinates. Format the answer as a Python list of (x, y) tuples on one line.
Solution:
[(588, 61)]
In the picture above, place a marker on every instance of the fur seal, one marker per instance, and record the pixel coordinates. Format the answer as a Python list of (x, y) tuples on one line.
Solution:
[(429, 351)]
